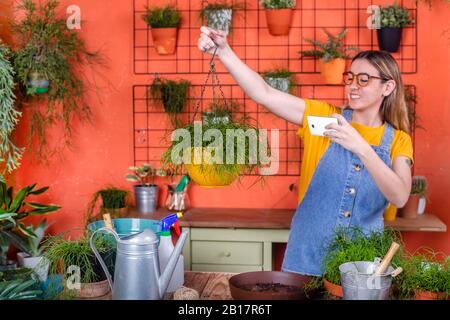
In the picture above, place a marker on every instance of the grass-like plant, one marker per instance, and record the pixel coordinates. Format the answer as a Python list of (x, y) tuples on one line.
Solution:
[(353, 245), (394, 16), (112, 199), (278, 4), (46, 46), (10, 154), (162, 17), (426, 270), (173, 94), (333, 48)]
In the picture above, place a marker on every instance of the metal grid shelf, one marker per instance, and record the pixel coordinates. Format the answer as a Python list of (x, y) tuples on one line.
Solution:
[(253, 44)]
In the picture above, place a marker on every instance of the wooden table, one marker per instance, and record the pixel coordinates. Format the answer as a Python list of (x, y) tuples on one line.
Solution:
[(209, 285)]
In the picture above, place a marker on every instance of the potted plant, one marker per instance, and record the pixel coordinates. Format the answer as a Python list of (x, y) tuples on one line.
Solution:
[(48, 59), (173, 94), (15, 208), (332, 53), (353, 245), (68, 257), (278, 15), (280, 79), (20, 289), (418, 191), (31, 255), (208, 162), (426, 276), (114, 202), (164, 23), (10, 154), (146, 192), (392, 20), (218, 15)]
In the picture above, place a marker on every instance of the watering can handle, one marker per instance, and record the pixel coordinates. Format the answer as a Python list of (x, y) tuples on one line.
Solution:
[(97, 254)]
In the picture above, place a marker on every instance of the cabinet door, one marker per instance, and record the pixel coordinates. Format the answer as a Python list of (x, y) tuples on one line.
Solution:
[(227, 252)]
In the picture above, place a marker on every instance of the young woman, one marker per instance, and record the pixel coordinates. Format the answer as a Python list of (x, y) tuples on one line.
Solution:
[(363, 163)]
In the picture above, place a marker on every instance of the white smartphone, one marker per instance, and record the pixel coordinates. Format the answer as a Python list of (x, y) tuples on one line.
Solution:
[(317, 124)]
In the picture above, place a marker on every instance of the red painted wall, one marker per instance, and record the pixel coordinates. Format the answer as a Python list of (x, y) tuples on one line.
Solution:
[(103, 151)]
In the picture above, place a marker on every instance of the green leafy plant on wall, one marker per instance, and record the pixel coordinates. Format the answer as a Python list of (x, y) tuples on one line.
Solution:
[(278, 4), (162, 17), (48, 50), (394, 16), (10, 154)]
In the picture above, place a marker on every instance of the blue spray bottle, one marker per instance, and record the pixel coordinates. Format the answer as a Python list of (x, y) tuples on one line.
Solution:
[(166, 248)]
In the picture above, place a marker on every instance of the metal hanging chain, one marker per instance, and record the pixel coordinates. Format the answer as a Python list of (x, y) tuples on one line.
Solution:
[(212, 71)]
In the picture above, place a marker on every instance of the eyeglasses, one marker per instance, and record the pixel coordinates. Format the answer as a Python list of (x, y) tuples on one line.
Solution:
[(362, 79)]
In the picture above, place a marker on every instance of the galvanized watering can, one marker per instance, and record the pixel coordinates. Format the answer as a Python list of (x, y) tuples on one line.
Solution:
[(137, 275)]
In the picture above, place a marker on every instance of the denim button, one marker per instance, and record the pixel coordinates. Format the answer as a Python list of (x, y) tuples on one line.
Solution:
[(351, 190), (347, 214), (357, 167)]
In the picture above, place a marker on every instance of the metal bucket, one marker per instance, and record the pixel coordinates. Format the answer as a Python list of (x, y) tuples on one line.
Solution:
[(358, 282), (146, 198)]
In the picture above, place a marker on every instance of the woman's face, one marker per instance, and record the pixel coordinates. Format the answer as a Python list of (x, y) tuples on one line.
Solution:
[(371, 95)]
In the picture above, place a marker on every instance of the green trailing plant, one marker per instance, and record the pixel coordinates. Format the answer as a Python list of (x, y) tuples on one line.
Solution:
[(243, 160), (47, 47), (112, 199), (333, 48), (419, 186), (426, 270), (145, 174), (394, 16), (162, 17), (15, 208), (63, 253), (278, 4), (20, 289), (354, 245), (10, 154), (411, 100), (173, 95)]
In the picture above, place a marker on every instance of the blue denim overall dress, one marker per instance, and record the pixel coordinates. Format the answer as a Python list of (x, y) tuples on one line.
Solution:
[(341, 194)]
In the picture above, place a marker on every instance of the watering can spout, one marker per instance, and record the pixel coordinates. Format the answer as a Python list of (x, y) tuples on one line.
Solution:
[(165, 277)]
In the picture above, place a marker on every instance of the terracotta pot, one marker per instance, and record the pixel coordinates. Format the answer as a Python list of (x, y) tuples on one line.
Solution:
[(93, 290), (165, 40), (279, 21), (428, 295), (332, 70), (333, 289), (390, 213), (411, 208)]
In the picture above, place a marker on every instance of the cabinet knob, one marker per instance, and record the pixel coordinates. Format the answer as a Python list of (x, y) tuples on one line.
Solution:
[(227, 254)]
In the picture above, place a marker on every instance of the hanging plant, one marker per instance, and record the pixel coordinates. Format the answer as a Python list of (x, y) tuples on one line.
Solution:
[(10, 154), (164, 22), (48, 59), (173, 95), (332, 53), (280, 79)]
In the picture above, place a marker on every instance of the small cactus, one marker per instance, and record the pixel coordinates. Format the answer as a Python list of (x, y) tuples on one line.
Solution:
[(419, 185)]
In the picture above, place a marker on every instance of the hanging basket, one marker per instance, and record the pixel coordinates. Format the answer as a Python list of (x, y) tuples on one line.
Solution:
[(38, 83), (206, 175)]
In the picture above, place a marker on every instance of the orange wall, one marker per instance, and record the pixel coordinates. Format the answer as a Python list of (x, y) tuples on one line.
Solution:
[(102, 152)]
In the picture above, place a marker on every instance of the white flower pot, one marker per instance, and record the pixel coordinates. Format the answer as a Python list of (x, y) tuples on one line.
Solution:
[(422, 205), (39, 264)]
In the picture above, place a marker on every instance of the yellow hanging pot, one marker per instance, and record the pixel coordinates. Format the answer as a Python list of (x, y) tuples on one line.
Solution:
[(206, 174)]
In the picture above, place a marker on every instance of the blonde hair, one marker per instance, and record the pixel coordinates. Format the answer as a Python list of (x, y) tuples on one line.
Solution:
[(393, 108)]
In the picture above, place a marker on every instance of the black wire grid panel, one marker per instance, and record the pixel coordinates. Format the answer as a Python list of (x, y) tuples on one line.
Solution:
[(257, 48), (152, 127)]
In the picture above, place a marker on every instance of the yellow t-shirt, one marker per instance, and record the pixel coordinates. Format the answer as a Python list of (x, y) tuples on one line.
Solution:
[(314, 146)]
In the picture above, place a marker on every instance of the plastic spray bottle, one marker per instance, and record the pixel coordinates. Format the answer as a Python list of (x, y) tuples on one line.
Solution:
[(166, 248)]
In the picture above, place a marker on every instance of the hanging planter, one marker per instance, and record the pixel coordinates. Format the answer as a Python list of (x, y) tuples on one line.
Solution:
[(278, 16), (219, 15), (164, 24), (173, 95), (333, 54), (392, 20), (280, 79), (37, 83)]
